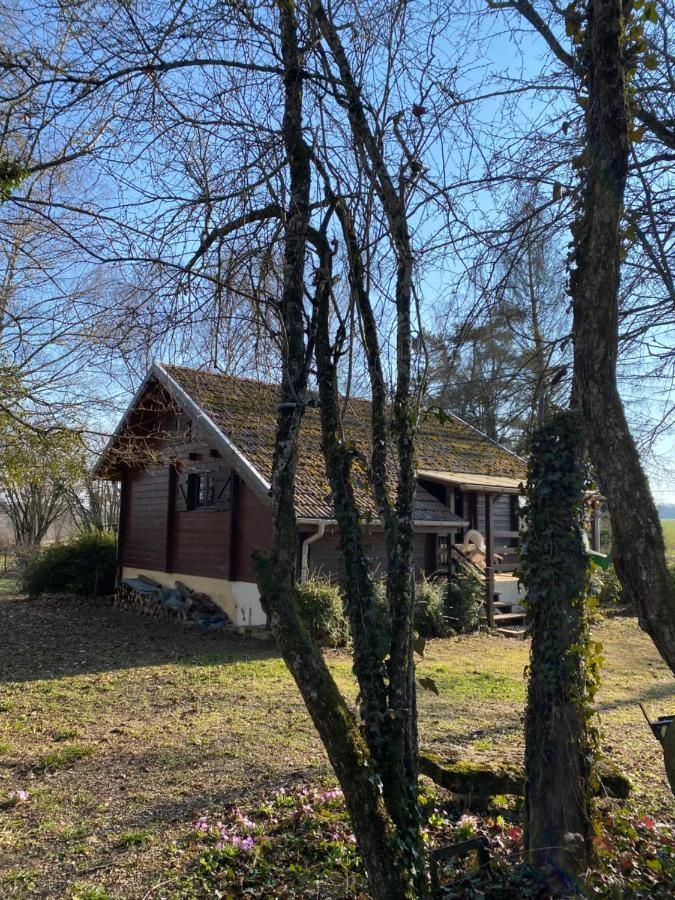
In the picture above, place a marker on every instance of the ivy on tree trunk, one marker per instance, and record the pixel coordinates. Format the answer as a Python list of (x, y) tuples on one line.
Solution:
[(357, 757), (558, 746)]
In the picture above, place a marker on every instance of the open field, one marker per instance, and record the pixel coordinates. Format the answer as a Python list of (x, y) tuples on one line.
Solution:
[(124, 730), (668, 526)]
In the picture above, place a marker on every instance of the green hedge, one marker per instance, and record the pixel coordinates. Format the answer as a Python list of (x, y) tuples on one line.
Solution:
[(84, 565)]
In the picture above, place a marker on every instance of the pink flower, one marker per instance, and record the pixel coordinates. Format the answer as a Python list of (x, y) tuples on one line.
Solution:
[(307, 808), (201, 825), (19, 794), (515, 833)]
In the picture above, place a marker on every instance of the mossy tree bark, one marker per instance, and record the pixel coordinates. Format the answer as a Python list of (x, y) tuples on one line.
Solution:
[(558, 751), (638, 545), (384, 664), (353, 755)]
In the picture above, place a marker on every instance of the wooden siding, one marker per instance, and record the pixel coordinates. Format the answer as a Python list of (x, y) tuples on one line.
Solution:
[(146, 496), (501, 513), (201, 543), (158, 532), (325, 556), (254, 531)]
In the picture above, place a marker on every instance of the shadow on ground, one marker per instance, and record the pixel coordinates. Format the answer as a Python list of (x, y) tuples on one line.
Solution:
[(50, 637)]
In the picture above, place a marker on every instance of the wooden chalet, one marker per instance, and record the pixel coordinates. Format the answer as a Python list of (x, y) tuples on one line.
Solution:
[(193, 455)]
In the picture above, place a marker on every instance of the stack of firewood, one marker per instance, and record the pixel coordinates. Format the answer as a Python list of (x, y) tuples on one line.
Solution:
[(149, 598)]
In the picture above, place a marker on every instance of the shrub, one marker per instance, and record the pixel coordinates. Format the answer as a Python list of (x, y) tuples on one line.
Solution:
[(322, 610), (464, 596), (430, 612), (84, 565), (611, 592)]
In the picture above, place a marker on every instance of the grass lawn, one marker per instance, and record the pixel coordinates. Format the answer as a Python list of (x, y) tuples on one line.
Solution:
[(668, 526), (125, 730)]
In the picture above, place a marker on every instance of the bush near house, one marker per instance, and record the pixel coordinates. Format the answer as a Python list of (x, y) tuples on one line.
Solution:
[(322, 610), (430, 613), (464, 595), (84, 565), (440, 609)]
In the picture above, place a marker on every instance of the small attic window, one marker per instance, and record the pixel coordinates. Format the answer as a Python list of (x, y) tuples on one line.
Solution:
[(200, 491), (172, 424)]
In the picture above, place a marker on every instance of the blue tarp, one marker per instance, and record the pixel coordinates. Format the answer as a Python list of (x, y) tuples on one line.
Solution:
[(172, 599)]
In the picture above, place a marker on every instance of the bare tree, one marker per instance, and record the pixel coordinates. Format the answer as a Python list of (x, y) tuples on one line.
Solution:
[(37, 468), (94, 504)]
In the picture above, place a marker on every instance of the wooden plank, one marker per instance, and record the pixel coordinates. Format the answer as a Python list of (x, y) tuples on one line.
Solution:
[(489, 561), (170, 518), (473, 509), (121, 523), (234, 528)]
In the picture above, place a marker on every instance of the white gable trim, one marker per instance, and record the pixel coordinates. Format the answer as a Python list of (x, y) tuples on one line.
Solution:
[(200, 419)]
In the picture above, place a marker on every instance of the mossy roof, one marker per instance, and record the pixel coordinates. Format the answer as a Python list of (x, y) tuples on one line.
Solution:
[(246, 410)]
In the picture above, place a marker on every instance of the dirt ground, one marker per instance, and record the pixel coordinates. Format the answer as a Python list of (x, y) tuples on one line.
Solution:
[(122, 730)]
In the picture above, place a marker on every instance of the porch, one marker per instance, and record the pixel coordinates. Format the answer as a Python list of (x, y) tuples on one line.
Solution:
[(489, 546)]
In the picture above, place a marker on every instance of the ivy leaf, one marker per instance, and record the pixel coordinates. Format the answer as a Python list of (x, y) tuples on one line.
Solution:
[(650, 12), (419, 644), (650, 61), (429, 685)]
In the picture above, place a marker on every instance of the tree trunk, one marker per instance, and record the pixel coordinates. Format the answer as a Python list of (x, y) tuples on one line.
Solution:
[(638, 545), (399, 766), (557, 749), (385, 861)]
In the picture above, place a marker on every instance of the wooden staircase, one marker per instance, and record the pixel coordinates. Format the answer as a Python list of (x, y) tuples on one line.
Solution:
[(507, 622)]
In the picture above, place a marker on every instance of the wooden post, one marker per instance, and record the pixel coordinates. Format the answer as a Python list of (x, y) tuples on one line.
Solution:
[(473, 509), (170, 517), (489, 561), (121, 519), (234, 526), (595, 527)]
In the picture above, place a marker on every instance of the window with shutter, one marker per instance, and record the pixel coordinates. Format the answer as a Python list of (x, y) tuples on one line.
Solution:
[(200, 490), (222, 489), (182, 493)]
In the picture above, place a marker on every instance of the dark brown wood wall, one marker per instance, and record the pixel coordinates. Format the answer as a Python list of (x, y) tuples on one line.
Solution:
[(254, 531), (201, 543), (146, 496), (157, 535), (325, 555)]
